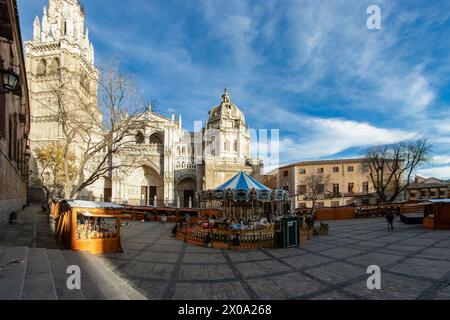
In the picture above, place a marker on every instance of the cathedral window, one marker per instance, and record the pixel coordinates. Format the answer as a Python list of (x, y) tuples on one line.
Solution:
[(235, 146), (155, 139), (42, 67), (140, 138), (55, 65), (64, 28)]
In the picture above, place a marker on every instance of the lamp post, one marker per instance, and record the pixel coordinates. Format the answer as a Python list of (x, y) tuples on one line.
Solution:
[(27, 155), (10, 80)]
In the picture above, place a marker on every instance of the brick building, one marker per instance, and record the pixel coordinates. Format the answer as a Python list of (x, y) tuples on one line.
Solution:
[(14, 114)]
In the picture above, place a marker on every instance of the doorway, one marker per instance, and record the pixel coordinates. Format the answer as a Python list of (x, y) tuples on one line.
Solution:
[(152, 194), (188, 194)]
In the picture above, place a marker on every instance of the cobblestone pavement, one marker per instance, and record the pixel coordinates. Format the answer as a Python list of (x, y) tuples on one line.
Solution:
[(415, 264)]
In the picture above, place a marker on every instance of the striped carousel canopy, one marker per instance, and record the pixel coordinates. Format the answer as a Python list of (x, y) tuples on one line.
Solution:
[(242, 187), (242, 181)]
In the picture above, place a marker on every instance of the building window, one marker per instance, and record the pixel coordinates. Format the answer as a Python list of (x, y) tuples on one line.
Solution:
[(366, 187), (350, 187), (365, 168), (335, 169), (321, 188), (301, 189), (320, 170), (302, 171), (336, 189), (335, 204), (286, 173), (235, 146), (302, 205), (350, 169), (320, 204), (350, 202)]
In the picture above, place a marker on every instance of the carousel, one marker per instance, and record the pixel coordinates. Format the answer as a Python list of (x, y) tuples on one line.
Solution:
[(247, 214)]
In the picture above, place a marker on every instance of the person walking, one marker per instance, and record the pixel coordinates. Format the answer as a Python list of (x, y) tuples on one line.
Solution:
[(163, 219), (390, 220)]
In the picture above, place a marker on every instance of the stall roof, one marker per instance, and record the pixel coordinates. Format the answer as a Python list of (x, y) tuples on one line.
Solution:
[(440, 200), (93, 204)]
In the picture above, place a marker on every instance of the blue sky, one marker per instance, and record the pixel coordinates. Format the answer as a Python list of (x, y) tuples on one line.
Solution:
[(311, 69)]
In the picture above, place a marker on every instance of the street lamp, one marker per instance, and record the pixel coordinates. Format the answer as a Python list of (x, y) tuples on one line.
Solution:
[(10, 80), (27, 155)]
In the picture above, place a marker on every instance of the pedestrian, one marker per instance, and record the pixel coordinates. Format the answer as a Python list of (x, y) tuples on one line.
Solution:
[(163, 219), (390, 220)]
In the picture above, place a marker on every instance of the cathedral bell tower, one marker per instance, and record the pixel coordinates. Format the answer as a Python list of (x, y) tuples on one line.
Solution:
[(60, 57)]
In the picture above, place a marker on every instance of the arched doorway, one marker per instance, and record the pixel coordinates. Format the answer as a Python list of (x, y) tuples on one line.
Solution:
[(144, 184), (186, 191)]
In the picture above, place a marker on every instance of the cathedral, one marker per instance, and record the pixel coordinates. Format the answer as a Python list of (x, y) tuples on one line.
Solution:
[(174, 165)]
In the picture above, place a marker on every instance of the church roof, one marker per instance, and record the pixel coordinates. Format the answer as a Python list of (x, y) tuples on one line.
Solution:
[(226, 109)]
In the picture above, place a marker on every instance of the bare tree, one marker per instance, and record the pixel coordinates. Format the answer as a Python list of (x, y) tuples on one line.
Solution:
[(95, 131), (317, 185), (391, 167)]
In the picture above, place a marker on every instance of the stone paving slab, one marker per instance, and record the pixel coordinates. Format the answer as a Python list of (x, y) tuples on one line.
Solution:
[(306, 261), (375, 258), (431, 269), (337, 272), (443, 294)]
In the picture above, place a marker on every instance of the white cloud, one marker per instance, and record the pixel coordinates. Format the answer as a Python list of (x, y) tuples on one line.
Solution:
[(442, 172), (330, 136)]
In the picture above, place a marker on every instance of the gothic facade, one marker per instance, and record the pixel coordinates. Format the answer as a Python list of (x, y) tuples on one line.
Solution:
[(174, 164)]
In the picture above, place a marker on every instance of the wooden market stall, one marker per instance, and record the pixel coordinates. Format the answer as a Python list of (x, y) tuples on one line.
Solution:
[(89, 226), (437, 214)]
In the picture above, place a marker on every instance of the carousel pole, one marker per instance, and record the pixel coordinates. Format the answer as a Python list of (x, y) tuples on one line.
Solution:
[(253, 209)]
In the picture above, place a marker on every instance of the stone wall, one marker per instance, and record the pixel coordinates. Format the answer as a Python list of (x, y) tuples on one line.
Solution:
[(13, 190)]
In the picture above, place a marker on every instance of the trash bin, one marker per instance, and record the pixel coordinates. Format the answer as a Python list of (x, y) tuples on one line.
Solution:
[(287, 234)]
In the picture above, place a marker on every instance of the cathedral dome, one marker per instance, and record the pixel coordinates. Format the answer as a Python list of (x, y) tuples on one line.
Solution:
[(226, 110)]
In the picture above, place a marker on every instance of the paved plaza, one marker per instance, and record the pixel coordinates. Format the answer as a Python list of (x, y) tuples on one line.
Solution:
[(415, 264)]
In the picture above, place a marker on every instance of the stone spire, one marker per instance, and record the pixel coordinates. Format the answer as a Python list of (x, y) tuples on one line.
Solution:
[(179, 121), (45, 27), (36, 29), (64, 20)]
